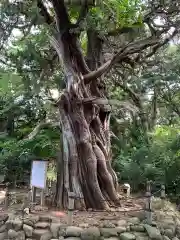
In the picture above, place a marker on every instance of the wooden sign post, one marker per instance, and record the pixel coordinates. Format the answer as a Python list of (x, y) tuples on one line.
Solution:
[(38, 179)]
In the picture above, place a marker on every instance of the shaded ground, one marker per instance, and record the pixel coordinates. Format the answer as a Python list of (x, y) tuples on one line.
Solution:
[(130, 207), (96, 218)]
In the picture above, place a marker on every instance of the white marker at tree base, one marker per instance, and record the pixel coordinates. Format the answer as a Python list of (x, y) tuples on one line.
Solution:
[(127, 188)]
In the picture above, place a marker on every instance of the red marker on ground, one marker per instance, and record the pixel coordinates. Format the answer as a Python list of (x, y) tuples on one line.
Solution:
[(59, 214)]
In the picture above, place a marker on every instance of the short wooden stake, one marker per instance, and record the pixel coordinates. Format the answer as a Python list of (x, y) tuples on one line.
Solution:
[(6, 201), (148, 186), (71, 197), (149, 203), (29, 195), (163, 195), (42, 197), (33, 194)]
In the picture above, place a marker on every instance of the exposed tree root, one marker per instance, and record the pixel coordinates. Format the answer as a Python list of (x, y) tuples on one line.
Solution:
[(87, 170)]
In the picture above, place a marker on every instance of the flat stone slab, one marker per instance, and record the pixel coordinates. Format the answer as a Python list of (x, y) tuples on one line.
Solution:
[(134, 220), (122, 223), (137, 228), (55, 229), (153, 232), (45, 219), (12, 234), (72, 231), (72, 238), (112, 238), (42, 225), (39, 232), (91, 233), (112, 232), (31, 221), (28, 230), (127, 236), (108, 232)]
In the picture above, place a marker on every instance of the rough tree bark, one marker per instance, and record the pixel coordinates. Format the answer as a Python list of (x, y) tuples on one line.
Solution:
[(85, 125)]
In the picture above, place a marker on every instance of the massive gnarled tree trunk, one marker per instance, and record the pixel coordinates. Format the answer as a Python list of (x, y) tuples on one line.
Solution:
[(87, 169), (86, 161)]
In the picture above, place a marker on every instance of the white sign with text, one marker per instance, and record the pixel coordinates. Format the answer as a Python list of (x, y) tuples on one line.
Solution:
[(39, 174)]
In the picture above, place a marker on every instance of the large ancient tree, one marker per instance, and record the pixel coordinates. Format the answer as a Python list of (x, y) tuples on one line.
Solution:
[(83, 105)]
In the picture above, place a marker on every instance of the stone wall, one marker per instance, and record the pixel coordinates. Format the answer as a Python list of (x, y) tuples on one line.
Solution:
[(42, 228)]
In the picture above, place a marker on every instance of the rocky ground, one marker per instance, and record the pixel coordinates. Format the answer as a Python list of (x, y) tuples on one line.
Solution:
[(165, 226), (96, 225)]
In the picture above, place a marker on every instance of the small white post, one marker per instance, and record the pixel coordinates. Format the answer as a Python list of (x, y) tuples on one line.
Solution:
[(148, 203), (71, 197), (128, 188)]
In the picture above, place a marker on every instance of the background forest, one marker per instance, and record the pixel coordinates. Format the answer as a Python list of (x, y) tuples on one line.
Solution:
[(145, 126)]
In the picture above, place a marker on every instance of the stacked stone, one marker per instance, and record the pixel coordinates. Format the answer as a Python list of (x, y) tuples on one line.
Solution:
[(42, 228)]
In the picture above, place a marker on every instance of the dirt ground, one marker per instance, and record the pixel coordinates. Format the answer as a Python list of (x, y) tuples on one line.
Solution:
[(129, 207)]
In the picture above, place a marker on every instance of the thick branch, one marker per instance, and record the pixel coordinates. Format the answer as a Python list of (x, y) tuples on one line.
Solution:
[(158, 46), (132, 95), (44, 12), (97, 73), (123, 53), (112, 102), (118, 31), (62, 18)]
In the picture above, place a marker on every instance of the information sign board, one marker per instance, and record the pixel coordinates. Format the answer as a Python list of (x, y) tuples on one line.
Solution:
[(39, 174)]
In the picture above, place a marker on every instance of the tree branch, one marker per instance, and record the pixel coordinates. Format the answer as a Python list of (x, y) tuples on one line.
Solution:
[(132, 48), (62, 18), (136, 47), (44, 12), (118, 31), (154, 108), (83, 13), (97, 73), (112, 102), (157, 46), (39, 127), (135, 97)]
